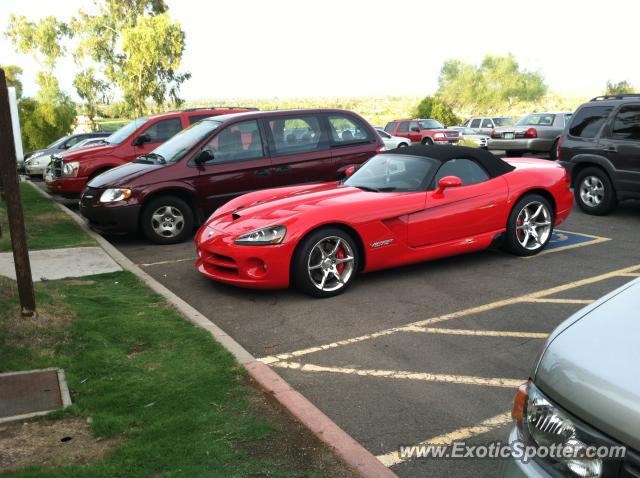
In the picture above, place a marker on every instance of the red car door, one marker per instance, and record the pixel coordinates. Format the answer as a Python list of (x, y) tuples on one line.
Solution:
[(478, 206), (153, 135), (299, 149), (239, 165), (402, 130), (414, 132)]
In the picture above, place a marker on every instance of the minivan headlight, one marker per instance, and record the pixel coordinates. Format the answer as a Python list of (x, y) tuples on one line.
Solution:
[(262, 237), (70, 170), (543, 424), (116, 194)]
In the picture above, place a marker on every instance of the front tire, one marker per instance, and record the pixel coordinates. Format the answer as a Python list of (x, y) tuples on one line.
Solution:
[(403, 145), (530, 225), (594, 192), (427, 142), (167, 220), (325, 263)]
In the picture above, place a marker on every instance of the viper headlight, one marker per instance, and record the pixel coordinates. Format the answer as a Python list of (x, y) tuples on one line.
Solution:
[(263, 237), (116, 194), (70, 170)]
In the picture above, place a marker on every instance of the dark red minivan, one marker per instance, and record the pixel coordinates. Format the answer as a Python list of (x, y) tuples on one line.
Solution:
[(167, 192)]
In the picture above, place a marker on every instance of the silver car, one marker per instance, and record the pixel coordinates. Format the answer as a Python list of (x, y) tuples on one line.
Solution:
[(391, 142), (535, 133), (481, 140), (485, 125), (584, 393)]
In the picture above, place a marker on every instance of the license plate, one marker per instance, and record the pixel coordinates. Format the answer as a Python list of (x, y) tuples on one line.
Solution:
[(508, 135)]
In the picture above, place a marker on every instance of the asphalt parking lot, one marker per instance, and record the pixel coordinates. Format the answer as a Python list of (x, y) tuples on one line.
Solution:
[(428, 353)]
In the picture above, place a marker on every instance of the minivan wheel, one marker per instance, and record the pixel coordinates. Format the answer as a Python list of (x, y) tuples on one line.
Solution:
[(427, 141), (530, 225), (325, 263), (167, 220), (594, 192)]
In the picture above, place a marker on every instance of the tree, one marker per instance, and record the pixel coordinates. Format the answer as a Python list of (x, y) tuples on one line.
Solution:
[(494, 86), (137, 47), (12, 74), (93, 91), (619, 88), (434, 107)]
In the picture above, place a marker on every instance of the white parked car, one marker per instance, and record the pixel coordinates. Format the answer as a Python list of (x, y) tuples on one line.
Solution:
[(391, 142), (482, 140)]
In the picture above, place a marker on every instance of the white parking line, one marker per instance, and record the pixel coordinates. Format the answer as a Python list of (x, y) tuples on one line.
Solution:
[(403, 375), (562, 301), (394, 458), (173, 261), (271, 359), (476, 332)]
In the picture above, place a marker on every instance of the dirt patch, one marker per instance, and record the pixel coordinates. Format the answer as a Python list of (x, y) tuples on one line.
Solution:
[(79, 282), (50, 443), (48, 328), (292, 446), (48, 218)]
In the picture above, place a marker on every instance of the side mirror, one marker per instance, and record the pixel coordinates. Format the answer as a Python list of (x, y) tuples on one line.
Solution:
[(415, 129), (448, 182), (350, 170), (140, 140), (202, 157)]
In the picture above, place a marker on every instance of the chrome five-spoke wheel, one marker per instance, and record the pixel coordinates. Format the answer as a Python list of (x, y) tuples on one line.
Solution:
[(330, 263), (167, 221), (533, 226), (592, 191)]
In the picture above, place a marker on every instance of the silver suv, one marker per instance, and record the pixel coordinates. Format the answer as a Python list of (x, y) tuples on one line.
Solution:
[(485, 125), (584, 394)]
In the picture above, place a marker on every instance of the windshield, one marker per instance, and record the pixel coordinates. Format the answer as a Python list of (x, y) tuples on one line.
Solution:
[(393, 172), (127, 130), (538, 119), (178, 146), (503, 121), (58, 142), (430, 124)]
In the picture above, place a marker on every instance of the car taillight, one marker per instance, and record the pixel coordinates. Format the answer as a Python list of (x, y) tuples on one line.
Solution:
[(380, 149), (531, 133), (494, 134)]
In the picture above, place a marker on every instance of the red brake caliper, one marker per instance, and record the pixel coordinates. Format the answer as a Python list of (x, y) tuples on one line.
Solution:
[(519, 232), (340, 255)]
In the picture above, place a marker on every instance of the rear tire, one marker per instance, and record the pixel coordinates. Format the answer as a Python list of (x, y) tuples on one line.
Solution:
[(325, 263), (403, 145), (530, 225), (427, 142), (594, 192), (167, 220)]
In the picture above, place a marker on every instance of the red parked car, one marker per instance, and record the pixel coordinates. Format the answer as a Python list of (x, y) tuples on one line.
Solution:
[(402, 206), (166, 192), (425, 131), (71, 171)]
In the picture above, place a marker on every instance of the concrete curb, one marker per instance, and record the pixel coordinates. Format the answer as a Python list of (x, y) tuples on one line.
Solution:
[(351, 452)]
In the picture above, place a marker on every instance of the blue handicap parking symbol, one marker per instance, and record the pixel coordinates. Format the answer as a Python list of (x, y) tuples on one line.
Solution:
[(566, 238)]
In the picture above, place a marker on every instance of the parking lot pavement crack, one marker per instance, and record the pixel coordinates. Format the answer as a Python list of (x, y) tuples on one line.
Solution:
[(403, 375), (531, 297), (394, 458)]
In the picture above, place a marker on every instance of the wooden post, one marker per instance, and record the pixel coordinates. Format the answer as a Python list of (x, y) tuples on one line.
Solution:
[(11, 184)]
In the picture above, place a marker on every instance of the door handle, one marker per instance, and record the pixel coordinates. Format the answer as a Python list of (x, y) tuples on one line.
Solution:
[(283, 169), (261, 173), (611, 149)]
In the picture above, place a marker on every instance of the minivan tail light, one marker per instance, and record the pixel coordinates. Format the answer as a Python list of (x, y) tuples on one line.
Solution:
[(380, 149), (531, 133)]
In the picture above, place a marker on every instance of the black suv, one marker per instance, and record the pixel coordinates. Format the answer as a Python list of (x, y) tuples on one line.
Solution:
[(601, 149)]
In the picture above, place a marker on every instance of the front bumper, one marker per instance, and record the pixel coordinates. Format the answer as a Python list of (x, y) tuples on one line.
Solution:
[(255, 267), (445, 140), (68, 187), (109, 218), (35, 169), (539, 145), (514, 468)]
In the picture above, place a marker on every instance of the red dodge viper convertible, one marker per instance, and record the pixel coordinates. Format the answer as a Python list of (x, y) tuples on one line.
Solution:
[(407, 205)]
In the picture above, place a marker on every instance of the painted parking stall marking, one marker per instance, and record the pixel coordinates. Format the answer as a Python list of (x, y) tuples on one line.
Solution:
[(542, 297), (566, 240)]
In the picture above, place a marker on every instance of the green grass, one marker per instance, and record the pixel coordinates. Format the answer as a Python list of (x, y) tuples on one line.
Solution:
[(177, 399), (47, 226)]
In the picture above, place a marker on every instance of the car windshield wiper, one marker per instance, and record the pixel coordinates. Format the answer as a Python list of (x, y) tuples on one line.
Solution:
[(157, 158), (365, 188)]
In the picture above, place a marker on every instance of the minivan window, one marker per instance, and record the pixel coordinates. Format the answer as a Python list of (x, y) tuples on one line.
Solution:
[(236, 142), (177, 147), (127, 130), (346, 130), (296, 134), (588, 121), (503, 122), (536, 120), (626, 124), (163, 130)]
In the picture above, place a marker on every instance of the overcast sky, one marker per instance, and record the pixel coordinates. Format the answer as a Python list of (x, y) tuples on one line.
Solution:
[(283, 48)]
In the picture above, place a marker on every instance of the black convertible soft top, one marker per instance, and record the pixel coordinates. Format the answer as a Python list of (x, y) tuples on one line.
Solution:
[(492, 164)]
